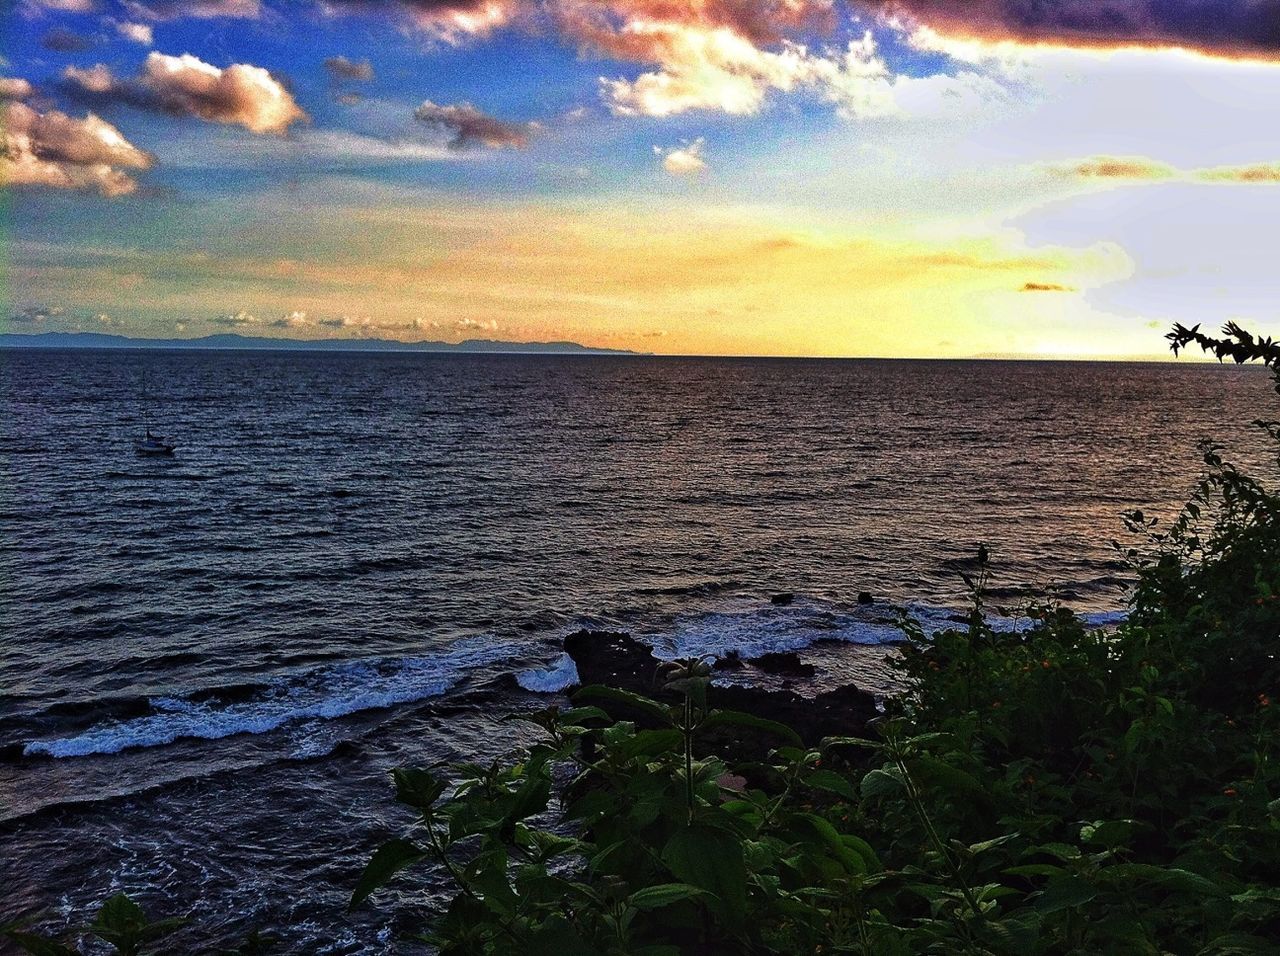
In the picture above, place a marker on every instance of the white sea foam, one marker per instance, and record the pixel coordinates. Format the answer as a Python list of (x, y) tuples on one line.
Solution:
[(350, 688), (561, 674), (317, 695), (753, 632)]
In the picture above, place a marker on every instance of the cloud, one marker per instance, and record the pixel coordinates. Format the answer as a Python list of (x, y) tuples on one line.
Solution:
[(1235, 29), (723, 55), (341, 68), (471, 128), (241, 94), (449, 21), (237, 320), (1142, 169), (605, 24), (291, 320), (62, 40), (720, 70), (307, 148), (136, 32), (194, 9), (1260, 173), (1046, 287), (683, 160), (67, 6), (476, 325), (1117, 167), (14, 88), (58, 151), (36, 314)]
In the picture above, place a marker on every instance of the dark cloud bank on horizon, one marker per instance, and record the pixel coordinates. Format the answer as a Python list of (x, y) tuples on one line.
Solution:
[(1229, 28)]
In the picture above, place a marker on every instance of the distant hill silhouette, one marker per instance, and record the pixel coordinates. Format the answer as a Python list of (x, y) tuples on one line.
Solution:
[(230, 340)]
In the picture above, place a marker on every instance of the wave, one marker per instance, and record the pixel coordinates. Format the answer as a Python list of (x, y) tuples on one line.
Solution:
[(753, 632), (559, 675), (322, 694)]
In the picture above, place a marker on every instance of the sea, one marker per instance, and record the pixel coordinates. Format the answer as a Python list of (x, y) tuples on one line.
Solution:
[(355, 561)]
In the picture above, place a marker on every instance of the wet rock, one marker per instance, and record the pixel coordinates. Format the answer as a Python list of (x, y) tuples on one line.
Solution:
[(864, 597), (784, 664), (782, 600), (730, 662), (619, 660)]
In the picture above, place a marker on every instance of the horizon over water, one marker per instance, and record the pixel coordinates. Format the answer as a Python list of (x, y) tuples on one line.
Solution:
[(214, 660)]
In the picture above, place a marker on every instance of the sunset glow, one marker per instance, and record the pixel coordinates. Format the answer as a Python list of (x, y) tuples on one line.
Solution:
[(805, 177)]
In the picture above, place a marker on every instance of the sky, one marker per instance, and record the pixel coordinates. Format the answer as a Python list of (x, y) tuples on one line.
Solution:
[(741, 177)]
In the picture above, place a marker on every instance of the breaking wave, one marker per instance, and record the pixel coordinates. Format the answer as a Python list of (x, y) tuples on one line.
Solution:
[(322, 694)]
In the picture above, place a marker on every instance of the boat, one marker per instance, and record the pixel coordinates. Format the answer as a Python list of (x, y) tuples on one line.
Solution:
[(154, 445)]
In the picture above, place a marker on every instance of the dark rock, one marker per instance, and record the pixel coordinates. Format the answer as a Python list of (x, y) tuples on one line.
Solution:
[(616, 660), (784, 664), (619, 660), (782, 600), (11, 753), (864, 597), (730, 662)]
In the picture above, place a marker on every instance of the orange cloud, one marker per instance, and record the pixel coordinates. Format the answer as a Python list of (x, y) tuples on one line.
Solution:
[(1117, 167), (240, 94), (61, 152), (1258, 173), (451, 21), (1046, 287), (1142, 169), (684, 160), (14, 88)]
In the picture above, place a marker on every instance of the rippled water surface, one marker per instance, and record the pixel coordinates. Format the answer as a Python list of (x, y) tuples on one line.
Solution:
[(208, 663)]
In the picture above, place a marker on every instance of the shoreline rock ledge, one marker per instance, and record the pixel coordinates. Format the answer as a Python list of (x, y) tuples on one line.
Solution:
[(618, 660)]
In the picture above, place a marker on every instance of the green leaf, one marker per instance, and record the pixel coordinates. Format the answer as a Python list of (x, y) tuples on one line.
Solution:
[(832, 782), (880, 783), (828, 835), (1066, 892), (1107, 833), (417, 788), (576, 715), (531, 798), (852, 742), (119, 915), (648, 743), (1169, 877), (650, 708), (388, 860), (976, 848), (735, 718), (1063, 851), (557, 937), (664, 894), (939, 773), (38, 945), (1035, 869), (711, 859)]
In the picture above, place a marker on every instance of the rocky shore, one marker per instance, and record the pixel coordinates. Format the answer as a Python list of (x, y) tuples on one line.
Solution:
[(620, 661)]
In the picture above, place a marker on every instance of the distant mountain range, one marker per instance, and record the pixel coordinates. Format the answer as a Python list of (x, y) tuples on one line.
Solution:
[(100, 340)]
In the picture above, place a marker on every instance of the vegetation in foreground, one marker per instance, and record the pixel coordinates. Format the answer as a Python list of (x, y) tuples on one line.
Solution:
[(1055, 791)]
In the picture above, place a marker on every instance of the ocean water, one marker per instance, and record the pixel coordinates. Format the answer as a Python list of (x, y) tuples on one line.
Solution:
[(208, 664)]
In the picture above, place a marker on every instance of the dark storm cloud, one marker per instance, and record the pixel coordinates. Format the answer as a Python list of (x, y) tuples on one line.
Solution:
[(62, 40), (1226, 28), (472, 128), (340, 68)]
